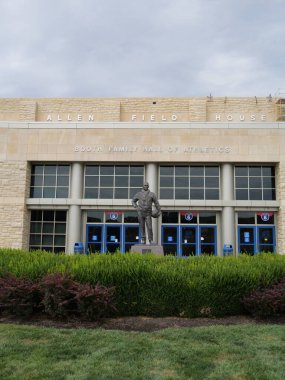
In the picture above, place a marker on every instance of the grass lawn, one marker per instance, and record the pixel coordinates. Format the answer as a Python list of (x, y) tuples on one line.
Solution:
[(216, 352)]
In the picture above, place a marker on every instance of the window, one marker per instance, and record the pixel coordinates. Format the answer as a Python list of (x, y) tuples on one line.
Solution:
[(189, 182), (255, 183), (48, 230), (112, 181), (50, 181)]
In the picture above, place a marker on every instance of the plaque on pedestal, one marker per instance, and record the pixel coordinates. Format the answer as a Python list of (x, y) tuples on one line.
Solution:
[(147, 248)]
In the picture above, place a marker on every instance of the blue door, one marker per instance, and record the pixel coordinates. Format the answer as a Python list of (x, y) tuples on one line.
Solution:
[(208, 240), (131, 237), (94, 238), (113, 238), (247, 240), (189, 246), (266, 239), (170, 240)]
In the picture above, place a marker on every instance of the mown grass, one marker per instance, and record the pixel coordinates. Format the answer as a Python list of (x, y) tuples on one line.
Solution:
[(217, 352)]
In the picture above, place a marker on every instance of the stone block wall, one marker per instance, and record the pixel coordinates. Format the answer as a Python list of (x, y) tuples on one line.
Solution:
[(14, 188)]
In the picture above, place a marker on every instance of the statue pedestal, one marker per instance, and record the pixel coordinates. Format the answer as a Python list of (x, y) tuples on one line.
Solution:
[(147, 248)]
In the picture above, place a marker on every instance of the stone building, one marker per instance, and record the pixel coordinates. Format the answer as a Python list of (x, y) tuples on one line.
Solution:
[(70, 166)]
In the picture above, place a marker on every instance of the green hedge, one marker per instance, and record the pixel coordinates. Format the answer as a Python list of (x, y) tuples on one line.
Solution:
[(158, 286)]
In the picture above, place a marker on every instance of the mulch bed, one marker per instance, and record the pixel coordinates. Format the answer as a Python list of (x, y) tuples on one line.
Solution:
[(140, 323)]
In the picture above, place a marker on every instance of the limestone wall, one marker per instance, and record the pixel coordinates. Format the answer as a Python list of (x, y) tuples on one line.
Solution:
[(14, 188)]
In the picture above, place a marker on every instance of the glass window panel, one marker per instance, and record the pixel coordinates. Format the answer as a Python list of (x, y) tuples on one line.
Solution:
[(47, 240), (50, 180), (121, 170), (266, 248), (181, 193), (35, 239), (270, 219), (91, 181), (122, 181), (246, 218), (166, 193), (167, 170), (242, 182), (208, 249), (268, 182), (255, 194), (50, 169), (49, 192), (196, 193), (207, 218), (166, 181), (37, 169), (269, 195), (197, 171), (254, 171), (121, 193), (137, 170), (95, 216), (182, 171), (59, 240), (212, 171), (247, 249), (63, 180), (255, 182), (212, 181), (170, 217), (107, 170), (48, 228), (106, 193), (63, 170), (182, 182), (48, 215), (130, 217), (188, 235), (268, 171), (197, 182), (241, 195), (58, 249), (91, 170), (136, 181), (241, 171), (60, 228), (36, 192), (106, 181), (91, 193), (36, 215), (36, 228), (60, 216), (212, 194), (37, 180), (62, 192)]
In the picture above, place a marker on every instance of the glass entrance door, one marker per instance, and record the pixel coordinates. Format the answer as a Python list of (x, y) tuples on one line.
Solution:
[(207, 240), (266, 239), (131, 237), (247, 240), (170, 240), (94, 238), (188, 241), (113, 237)]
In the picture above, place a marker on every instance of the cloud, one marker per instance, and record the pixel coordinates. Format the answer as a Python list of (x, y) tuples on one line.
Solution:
[(149, 48)]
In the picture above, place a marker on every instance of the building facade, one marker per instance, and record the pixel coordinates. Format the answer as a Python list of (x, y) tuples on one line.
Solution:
[(70, 166)]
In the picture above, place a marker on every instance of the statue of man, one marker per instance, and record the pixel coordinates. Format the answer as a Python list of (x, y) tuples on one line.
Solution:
[(143, 201)]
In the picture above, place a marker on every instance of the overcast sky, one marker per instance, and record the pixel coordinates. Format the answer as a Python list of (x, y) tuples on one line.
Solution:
[(124, 48)]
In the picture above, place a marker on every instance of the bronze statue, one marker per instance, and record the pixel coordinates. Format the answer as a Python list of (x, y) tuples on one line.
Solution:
[(143, 201)]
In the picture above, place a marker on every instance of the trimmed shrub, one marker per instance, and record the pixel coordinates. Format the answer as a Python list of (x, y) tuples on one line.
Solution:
[(19, 296), (58, 295), (266, 302)]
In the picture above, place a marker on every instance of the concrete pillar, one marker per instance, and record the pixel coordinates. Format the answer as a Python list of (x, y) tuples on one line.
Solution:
[(228, 214), (74, 215), (151, 176)]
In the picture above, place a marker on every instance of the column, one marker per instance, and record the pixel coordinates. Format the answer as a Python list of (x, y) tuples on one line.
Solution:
[(74, 216), (228, 214), (151, 176)]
